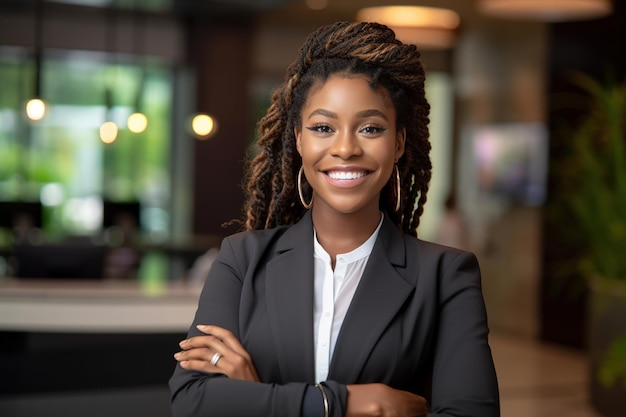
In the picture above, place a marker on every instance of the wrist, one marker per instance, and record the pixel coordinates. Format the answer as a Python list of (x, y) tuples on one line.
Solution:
[(312, 402), (324, 398)]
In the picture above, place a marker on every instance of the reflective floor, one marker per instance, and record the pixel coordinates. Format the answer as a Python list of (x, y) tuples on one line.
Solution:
[(540, 380)]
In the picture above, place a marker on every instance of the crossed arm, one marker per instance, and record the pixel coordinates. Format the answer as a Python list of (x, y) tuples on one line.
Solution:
[(199, 353)]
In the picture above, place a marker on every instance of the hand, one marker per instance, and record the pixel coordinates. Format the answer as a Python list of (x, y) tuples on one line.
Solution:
[(234, 362), (383, 401)]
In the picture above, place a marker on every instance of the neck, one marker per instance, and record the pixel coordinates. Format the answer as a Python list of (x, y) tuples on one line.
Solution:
[(341, 233)]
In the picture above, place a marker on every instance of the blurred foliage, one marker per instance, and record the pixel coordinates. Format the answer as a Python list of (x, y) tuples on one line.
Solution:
[(66, 149), (614, 366), (591, 202)]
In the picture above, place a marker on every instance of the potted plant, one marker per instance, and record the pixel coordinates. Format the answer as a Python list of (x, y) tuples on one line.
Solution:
[(593, 170)]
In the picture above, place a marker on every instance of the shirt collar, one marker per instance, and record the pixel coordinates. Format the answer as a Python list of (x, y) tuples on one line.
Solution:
[(361, 252)]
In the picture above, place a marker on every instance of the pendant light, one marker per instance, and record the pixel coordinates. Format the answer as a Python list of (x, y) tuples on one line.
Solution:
[(36, 107), (109, 129), (426, 27), (203, 126), (138, 122), (546, 10)]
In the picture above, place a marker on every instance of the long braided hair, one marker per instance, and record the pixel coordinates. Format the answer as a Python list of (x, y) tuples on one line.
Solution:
[(352, 48)]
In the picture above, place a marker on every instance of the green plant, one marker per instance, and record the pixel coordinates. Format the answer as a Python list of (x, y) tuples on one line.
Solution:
[(614, 366), (593, 171), (595, 168)]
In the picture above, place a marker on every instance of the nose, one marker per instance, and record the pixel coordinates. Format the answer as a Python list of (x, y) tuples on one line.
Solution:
[(345, 145)]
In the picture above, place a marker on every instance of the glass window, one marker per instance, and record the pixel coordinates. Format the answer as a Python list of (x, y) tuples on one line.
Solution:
[(61, 161)]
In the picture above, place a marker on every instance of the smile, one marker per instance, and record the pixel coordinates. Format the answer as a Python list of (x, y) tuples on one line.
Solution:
[(342, 175)]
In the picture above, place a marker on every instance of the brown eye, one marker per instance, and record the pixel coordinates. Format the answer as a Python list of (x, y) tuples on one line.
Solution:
[(373, 130), (320, 129)]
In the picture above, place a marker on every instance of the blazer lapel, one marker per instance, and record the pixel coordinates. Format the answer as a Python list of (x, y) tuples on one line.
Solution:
[(289, 292), (379, 296)]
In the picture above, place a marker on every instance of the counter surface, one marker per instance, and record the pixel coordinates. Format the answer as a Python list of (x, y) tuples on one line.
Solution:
[(96, 306)]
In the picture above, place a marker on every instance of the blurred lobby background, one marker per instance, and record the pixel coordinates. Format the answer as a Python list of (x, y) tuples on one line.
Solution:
[(108, 227)]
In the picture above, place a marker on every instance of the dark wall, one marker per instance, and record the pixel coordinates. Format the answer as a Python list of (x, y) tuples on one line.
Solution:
[(595, 48), (220, 55)]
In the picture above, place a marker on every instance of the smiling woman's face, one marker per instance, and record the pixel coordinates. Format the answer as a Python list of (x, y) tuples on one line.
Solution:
[(348, 141)]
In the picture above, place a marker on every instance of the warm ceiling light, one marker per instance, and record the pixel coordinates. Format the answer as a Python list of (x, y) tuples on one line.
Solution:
[(35, 109), (137, 122), (546, 10), (203, 126), (317, 4), (108, 132), (427, 27)]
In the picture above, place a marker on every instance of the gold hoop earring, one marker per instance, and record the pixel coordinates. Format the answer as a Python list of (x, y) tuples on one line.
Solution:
[(306, 206), (395, 166)]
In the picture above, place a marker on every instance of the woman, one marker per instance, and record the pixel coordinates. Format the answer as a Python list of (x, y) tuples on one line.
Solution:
[(328, 304)]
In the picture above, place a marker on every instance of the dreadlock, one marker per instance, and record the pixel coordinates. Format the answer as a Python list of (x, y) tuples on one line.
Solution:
[(364, 48)]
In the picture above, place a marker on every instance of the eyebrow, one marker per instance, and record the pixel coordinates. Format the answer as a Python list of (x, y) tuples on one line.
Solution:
[(323, 112), (370, 113), (361, 115)]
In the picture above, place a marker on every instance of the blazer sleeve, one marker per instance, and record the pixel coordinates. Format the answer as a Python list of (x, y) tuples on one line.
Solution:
[(464, 380), (196, 393)]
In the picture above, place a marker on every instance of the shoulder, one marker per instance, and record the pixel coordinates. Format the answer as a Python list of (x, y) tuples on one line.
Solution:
[(434, 250), (279, 238), (242, 251), (436, 260), (419, 256)]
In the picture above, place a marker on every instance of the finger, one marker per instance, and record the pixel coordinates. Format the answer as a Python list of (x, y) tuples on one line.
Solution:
[(216, 331), (199, 365), (234, 366), (202, 339), (200, 359), (203, 354), (208, 341), (213, 358), (203, 348), (226, 336)]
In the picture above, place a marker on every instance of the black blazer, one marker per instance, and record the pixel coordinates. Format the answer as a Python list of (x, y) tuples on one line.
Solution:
[(417, 322)]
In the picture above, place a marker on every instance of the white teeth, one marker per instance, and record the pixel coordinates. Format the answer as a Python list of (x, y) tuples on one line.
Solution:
[(341, 175)]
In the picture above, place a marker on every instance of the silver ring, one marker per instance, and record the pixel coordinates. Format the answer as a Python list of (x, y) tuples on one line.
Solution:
[(216, 357)]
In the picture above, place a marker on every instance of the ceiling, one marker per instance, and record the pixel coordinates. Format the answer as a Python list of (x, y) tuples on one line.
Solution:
[(159, 6), (297, 12), (284, 11)]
